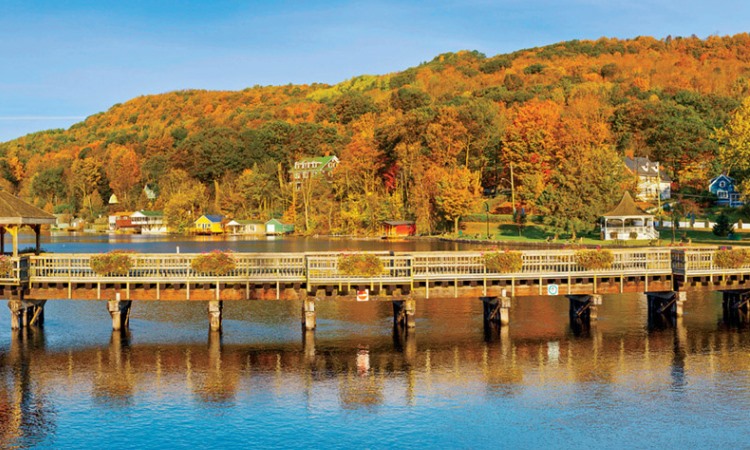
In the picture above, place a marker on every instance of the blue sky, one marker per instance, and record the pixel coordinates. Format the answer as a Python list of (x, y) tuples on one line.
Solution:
[(65, 60)]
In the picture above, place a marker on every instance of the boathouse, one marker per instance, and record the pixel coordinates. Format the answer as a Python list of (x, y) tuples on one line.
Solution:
[(209, 224), (275, 226), (246, 228), (399, 228), (628, 222)]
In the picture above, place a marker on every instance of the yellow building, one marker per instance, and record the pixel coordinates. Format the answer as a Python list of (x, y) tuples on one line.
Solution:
[(209, 224)]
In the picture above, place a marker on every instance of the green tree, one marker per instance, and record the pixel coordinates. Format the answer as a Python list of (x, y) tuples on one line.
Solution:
[(722, 228)]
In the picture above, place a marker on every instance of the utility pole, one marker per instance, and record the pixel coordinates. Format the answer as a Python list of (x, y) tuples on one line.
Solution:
[(512, 189)]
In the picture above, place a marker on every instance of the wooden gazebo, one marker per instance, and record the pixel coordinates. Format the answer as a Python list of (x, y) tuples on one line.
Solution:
[(627, 221), (14, 214)]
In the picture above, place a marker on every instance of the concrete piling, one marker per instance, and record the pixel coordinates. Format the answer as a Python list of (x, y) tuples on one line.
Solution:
[(215, 308), (308, 313)]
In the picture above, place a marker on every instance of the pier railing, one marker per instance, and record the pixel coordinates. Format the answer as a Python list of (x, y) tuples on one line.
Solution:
[(322, 268), (703, 261)]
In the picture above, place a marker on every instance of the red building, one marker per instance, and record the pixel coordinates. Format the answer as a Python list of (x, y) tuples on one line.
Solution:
[(399, 228)]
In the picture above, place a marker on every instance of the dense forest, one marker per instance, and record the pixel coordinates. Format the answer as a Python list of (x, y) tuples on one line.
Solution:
[(420, 144)]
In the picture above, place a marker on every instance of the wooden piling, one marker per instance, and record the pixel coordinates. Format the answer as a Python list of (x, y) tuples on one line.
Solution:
[(308, 313)]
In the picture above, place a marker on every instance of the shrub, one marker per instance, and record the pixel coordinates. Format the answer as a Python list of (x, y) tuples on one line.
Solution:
[(730, 259), (595, 259), (505, 262), (116, 262), (6, 266), (216, 262), (360, 265), (722, 228)]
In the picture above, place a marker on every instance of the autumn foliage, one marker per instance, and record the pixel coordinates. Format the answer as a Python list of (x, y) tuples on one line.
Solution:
[(420, 144)]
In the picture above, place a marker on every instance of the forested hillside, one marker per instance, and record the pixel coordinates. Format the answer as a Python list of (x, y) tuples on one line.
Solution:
[(418, 144)]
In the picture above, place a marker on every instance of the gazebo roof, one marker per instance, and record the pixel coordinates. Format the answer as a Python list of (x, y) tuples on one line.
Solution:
[(627, 208), (14, 211)]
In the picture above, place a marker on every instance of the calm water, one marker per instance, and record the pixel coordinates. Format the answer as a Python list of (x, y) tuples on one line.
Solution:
[(169, 383)]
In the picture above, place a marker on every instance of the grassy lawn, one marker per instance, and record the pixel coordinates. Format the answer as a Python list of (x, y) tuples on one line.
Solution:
[(506, 232)]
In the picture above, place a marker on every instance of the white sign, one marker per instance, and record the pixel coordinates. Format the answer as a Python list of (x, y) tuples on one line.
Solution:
[(552, 289), (363, 296)]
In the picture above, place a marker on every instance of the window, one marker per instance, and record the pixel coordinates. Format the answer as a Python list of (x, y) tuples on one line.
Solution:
[(722, 194), (722, 184)]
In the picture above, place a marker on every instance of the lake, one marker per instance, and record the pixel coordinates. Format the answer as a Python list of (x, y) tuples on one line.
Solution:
[(355, 382)]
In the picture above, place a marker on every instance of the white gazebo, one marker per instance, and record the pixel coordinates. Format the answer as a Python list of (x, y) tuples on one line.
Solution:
[(628, 222)]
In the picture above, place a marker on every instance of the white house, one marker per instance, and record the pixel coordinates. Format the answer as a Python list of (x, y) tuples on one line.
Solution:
[(651, 180)]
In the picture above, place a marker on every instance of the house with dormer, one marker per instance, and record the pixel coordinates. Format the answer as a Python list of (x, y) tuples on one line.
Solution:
[(651, 181), (307, 168), (724, 188)]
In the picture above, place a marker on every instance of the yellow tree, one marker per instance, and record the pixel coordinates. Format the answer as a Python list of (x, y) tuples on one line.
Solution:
[(734, 138), (458, 191)]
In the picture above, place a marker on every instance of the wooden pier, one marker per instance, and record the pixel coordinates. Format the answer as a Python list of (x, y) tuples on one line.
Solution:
[(665, 274)]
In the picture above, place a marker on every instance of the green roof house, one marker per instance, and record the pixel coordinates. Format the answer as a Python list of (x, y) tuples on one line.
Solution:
[(274, 226), (308, 168)]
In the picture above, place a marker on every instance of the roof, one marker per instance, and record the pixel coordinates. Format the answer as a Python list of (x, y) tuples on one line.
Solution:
[(644, 167), (722, 176), (215, 218), (14, 211), (153, 213), (235, 222), (395, 223), (626, 208), (275, 222), (323, 162)]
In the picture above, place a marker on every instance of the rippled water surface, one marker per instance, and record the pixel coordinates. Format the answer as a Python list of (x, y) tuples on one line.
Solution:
[(355, 382)]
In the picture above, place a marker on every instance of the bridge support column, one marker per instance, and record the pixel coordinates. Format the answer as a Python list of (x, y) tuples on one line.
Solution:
[(215, 308), (584, 307), (119, 310), (308, 313), (404, 313), (496, 309), (736, 300), (736, 306), (669, 302), (25, 313)]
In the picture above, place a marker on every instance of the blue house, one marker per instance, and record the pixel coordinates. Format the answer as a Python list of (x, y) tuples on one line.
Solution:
[(723, 187)]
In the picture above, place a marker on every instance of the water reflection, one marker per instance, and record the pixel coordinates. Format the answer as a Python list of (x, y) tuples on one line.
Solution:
[(27, 417), (540, 358)]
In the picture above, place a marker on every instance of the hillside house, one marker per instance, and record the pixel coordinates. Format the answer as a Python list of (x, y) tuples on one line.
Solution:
[(209, 224), (724, 189), (312, 167), (652, 182)]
